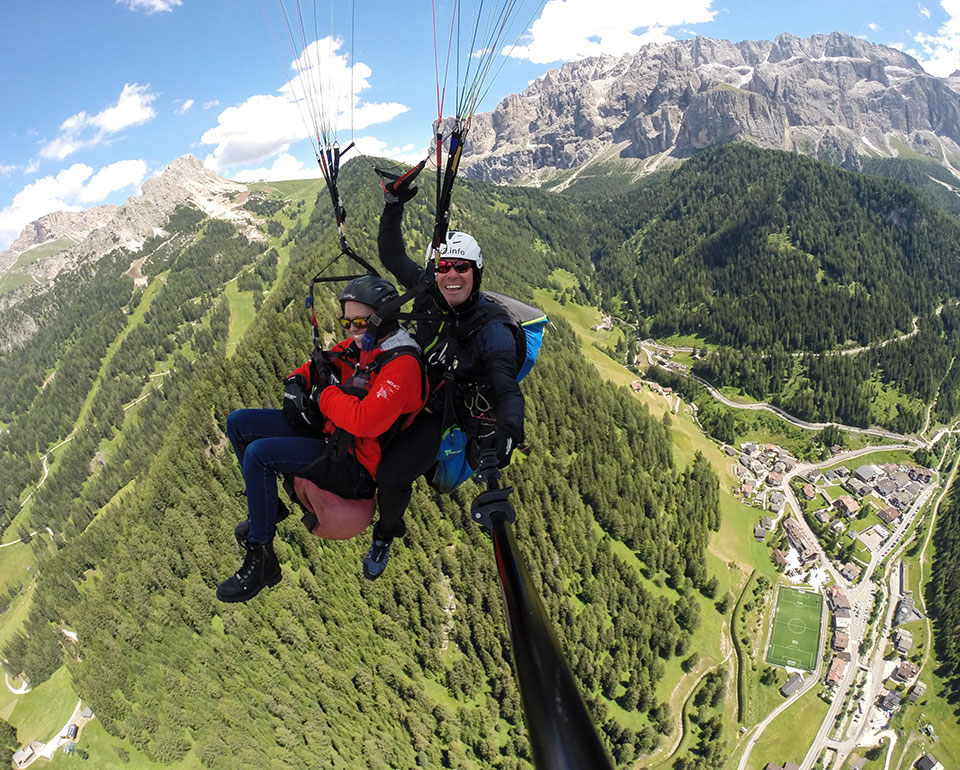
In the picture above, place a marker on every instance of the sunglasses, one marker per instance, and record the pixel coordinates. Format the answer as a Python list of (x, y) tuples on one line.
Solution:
[(360, 322), (460, 265)]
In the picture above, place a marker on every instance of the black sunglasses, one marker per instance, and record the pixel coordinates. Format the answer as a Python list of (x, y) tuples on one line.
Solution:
[(459, 265)]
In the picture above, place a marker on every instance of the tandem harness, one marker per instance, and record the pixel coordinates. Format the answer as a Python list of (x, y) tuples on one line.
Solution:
[(453, 465), (400, 343)]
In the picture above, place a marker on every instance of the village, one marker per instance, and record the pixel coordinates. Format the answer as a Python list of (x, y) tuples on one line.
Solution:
[(862, 505), (853, 516)]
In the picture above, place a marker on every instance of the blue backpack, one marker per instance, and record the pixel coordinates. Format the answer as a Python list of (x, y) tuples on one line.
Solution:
[(453, 467)]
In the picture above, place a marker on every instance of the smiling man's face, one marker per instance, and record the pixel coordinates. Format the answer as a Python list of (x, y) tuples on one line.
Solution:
[(455, 287)]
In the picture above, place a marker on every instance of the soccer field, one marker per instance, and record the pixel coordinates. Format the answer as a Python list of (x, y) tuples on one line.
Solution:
[(795, 640)]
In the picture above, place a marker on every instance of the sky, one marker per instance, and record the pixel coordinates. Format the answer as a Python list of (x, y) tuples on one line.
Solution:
[(100, 95)]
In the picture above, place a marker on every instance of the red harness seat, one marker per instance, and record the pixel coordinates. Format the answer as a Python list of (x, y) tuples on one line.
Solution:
[(337, 518)]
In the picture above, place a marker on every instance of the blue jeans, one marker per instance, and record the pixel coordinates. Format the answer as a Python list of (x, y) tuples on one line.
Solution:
[(267, 446)]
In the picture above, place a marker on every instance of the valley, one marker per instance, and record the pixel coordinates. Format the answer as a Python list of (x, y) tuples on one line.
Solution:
[(822, 748), (146, 467)]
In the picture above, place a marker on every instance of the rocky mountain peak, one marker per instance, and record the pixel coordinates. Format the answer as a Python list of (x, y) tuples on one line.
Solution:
[(835, 97), (99, 230)]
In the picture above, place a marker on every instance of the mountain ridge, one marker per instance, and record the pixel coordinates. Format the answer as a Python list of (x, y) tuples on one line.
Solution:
[(833, 97)]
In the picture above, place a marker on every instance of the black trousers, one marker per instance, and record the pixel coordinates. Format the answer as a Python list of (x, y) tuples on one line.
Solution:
[(410, 456)]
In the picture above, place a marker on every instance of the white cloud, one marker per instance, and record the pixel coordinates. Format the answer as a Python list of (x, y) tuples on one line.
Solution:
[(287, 167), (150, 6), (211, 103), (572, 29), (69, 190), (257, 129), (185, 107), (940, 53), (83, 130), (117, 176), (265, 125), (873, 26), (409, 153), (924, 11), (132, 109), (6, 169), (283, 168)]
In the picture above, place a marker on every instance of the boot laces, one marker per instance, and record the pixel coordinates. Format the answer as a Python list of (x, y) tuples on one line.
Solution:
[(250, 563), (380, 549)]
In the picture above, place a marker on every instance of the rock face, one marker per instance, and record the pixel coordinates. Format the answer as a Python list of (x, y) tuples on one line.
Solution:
[(834, 97), (100, 230), (75, 225), (60, 225)]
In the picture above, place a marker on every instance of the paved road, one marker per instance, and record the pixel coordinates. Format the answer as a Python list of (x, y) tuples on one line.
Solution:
[(23, 689), (765, 407)]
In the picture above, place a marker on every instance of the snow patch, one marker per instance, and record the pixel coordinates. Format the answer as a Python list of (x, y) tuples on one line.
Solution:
[(842, 58), (602, 85)]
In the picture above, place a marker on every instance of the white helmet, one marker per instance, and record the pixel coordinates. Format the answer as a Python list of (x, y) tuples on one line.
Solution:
[(462, 246)]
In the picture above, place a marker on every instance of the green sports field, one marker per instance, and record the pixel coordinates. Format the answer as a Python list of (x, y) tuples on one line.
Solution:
[(796, 629)]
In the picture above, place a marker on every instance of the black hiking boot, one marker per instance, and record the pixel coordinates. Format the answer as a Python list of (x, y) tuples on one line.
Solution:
[(242, 530), (260, 569), (375, 562)]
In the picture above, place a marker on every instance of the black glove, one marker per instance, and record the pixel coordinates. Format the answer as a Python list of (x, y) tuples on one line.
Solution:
[(326, 377), (397, 189), (298, 410), (508, 438), (323, 372)]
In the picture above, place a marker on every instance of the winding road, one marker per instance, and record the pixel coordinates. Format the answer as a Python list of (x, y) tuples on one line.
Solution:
[(764, 406)]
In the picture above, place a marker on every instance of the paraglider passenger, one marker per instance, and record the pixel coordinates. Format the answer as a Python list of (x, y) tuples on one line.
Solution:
[(327, 431), (470, 353)]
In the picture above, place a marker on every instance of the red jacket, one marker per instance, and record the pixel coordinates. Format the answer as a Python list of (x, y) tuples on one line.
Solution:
[(393, 391)]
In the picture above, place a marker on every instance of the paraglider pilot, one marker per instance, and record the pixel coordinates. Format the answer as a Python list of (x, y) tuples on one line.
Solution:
[(470, 353)]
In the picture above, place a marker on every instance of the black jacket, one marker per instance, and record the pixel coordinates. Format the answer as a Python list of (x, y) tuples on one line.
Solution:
[(471, 348)]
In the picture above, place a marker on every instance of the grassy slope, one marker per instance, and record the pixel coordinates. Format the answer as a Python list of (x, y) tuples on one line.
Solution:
[(791, 733), (13, 278), (12, 281), (40, 713), (242, 311), (16, 561), (733, 553), (44, 250)]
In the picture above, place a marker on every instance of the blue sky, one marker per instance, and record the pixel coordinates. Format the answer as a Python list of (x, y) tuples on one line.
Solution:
[(97, 96)]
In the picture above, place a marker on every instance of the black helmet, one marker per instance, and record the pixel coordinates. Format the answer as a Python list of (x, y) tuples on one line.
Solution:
[(376, 292), (371, 290)]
